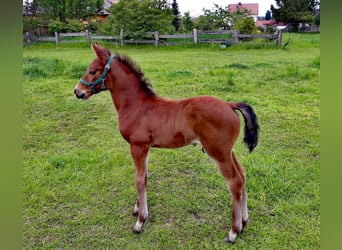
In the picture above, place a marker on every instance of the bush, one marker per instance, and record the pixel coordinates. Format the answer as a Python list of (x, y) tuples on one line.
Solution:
[(74, 26), (106, 28), (29, 24), (57, 26), (270, 29), (246, 26), (94, 26)]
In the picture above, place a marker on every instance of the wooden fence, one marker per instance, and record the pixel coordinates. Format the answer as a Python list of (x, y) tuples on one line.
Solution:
[(225, 37)]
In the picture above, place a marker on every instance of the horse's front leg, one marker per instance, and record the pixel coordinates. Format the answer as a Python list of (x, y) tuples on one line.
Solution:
[(139, 154)]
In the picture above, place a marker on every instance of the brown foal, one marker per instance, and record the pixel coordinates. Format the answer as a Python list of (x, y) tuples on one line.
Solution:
[(147, 120)]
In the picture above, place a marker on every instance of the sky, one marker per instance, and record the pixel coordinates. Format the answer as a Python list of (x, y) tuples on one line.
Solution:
[(195, 6)]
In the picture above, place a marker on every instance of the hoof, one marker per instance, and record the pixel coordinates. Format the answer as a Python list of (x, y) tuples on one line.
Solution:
[(231, 237), (227, 240), (134, 230), (138, 227), (244, 223)]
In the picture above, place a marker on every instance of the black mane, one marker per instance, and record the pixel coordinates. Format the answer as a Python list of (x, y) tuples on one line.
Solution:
[(145, 84)]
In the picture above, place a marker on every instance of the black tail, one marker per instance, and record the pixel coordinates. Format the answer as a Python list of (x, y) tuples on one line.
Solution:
[(251, 124)]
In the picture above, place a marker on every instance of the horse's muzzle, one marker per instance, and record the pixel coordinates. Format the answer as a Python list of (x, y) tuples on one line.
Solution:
[(80, 94)]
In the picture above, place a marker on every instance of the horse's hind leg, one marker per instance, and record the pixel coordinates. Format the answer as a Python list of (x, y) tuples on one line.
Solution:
[(235, 183), (244, 192), (136, 208)]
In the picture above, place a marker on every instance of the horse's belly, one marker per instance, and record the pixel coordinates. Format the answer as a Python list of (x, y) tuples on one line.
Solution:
[(175, 140)]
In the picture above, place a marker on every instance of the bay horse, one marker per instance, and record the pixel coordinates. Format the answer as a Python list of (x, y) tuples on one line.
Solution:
[(147, 120)]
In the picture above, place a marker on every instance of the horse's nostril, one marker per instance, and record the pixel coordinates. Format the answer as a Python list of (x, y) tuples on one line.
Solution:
[(79, 95)]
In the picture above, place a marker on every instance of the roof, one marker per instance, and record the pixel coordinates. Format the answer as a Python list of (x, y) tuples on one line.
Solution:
[(265, 22), (106, 6), (253, 7), (108, 3)]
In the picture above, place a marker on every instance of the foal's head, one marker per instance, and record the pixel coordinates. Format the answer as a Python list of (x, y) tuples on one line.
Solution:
[(93, 81)]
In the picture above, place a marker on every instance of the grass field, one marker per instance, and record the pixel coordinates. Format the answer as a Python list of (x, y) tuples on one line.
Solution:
[(78, 177)]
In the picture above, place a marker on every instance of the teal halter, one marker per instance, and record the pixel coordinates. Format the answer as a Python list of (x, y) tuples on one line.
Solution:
[(100, 80)]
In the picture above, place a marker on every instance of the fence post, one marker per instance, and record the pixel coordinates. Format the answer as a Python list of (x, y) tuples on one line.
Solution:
[(27, 37), (236, 36), (122, 37), (88, 36), (194, 33), (57, 38), (279, 36), (156, 38)]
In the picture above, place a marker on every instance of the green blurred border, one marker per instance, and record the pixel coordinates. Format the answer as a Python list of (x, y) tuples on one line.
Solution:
[(331, 125), (10, 125)]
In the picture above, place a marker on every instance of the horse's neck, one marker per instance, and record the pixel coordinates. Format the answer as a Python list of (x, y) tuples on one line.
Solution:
[(126, 93)]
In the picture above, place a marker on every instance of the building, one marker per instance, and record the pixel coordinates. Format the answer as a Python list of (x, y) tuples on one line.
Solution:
[(106, 5), (252, 7)]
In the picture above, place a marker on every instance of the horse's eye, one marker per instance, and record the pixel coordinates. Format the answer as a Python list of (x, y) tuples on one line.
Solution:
[(92, 72)]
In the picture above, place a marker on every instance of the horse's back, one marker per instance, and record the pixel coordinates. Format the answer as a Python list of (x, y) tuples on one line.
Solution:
[(211, 110), (213, 120)]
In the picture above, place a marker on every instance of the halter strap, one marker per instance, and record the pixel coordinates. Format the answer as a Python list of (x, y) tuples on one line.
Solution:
[(100, 80)]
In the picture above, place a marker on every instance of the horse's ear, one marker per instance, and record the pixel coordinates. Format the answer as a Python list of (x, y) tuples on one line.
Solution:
[(96, 49), (100, 52)]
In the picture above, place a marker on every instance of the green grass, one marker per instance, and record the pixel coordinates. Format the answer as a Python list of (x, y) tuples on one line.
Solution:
[(78, 177)]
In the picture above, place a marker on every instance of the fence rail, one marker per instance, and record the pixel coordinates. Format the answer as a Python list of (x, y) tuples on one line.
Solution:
[(196, 37)]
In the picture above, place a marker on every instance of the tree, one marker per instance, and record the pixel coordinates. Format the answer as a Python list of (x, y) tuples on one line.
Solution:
[(136, 17), (31, 8), (317, 20), (206, 21), (187, 22), (268, 15), (220, 18), (176, 20), (317, 14), (57, 26), (54, 9), (63, 9), (80, 8), (294, 11), (30, 12), (246, 26)]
